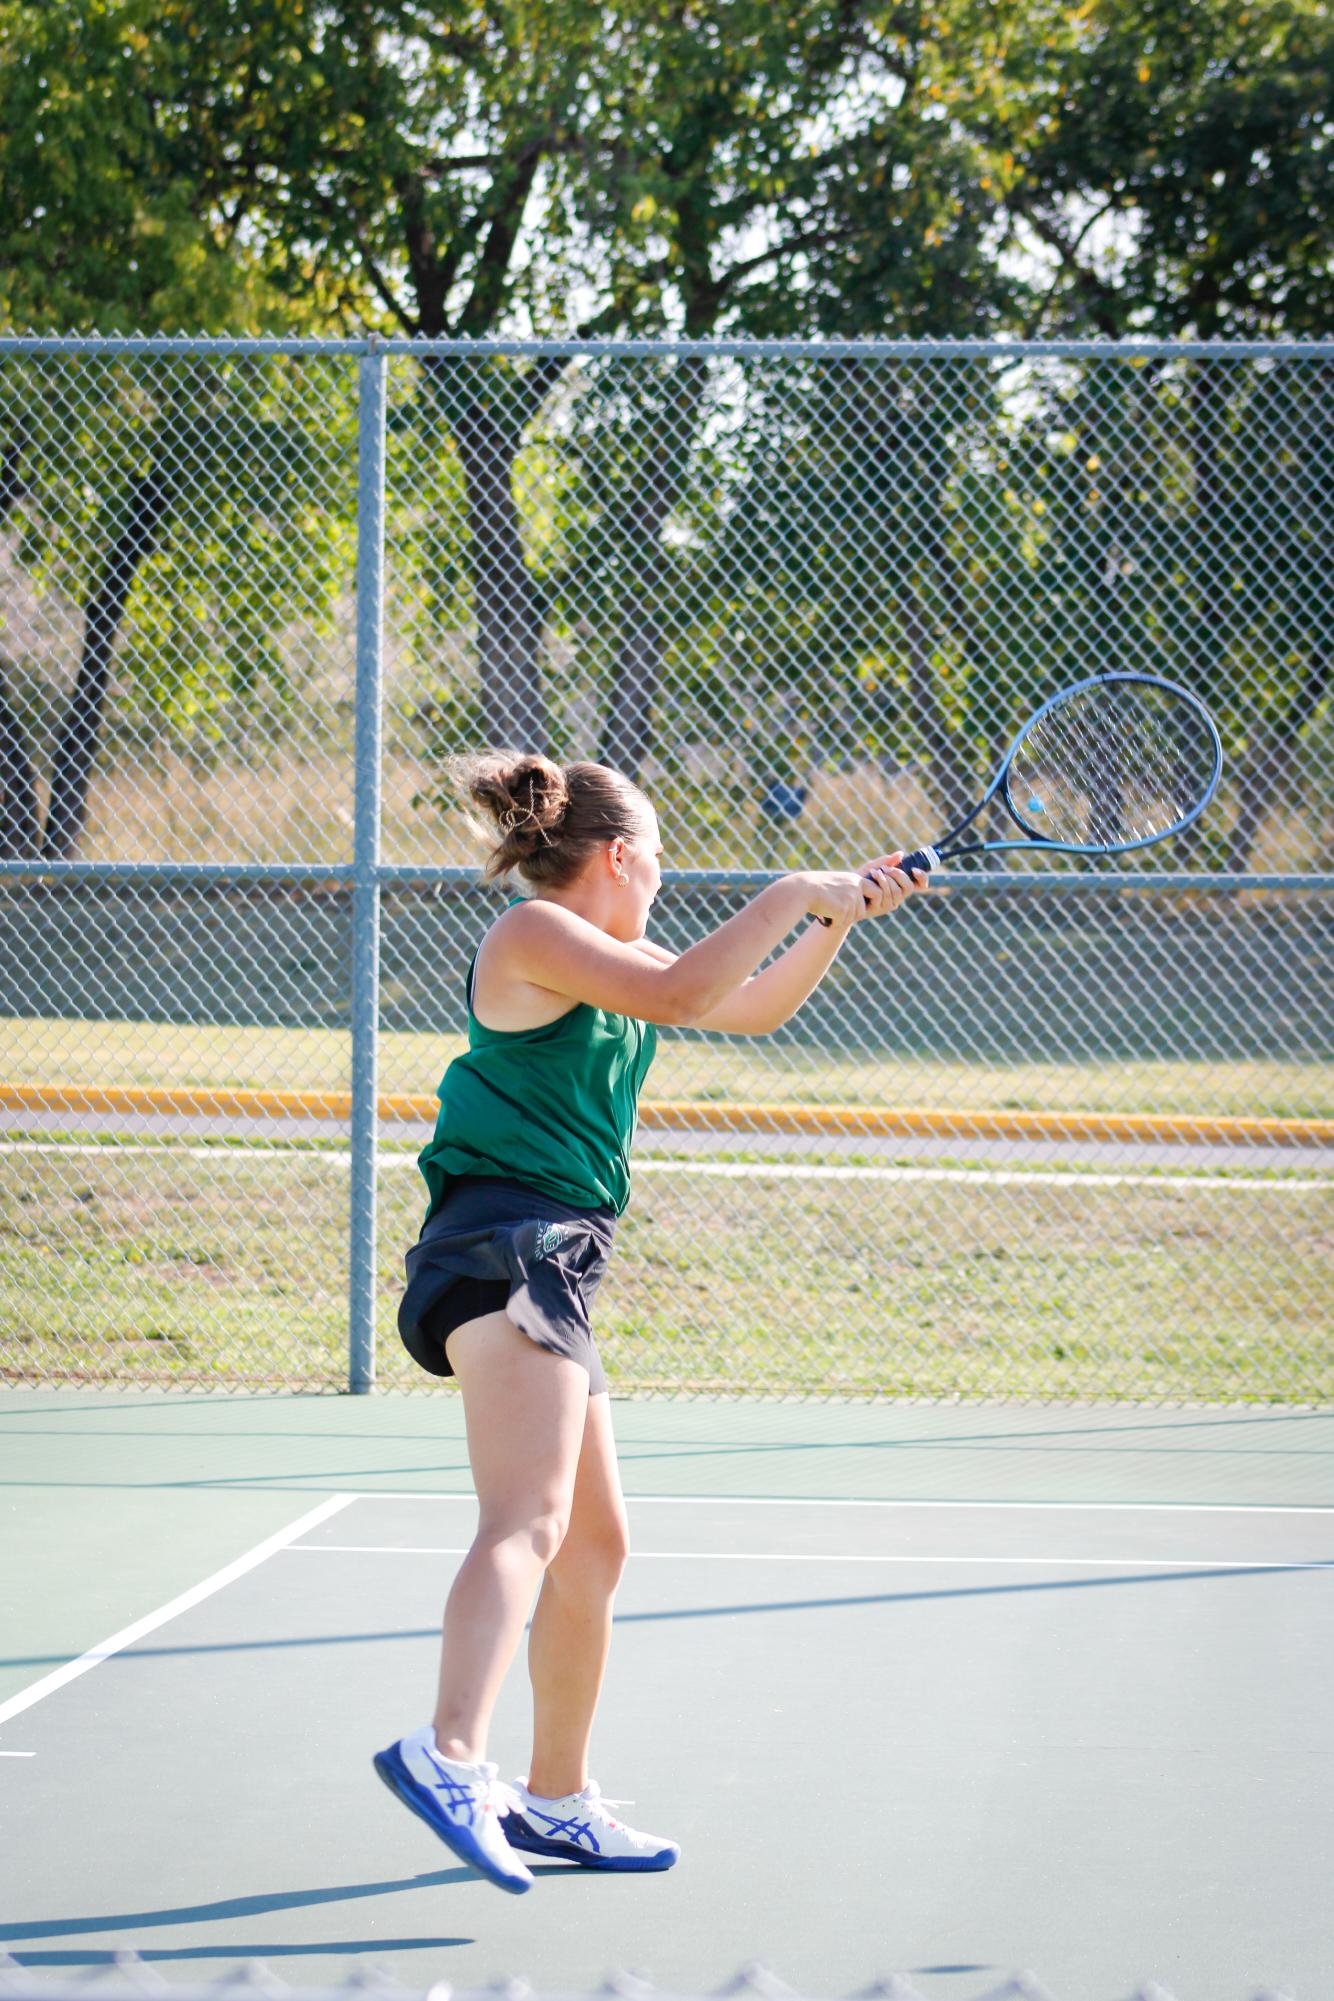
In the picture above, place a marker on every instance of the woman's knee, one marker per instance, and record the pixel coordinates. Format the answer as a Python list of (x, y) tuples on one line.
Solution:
[(596, 1550), (540, 1529)]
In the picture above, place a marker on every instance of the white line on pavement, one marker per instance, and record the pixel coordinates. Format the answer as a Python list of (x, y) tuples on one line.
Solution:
[(127, 1636), (827, 1501), (815, 1556)]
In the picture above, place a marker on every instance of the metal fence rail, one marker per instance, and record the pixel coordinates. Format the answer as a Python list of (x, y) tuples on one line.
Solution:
[(1051, 1133)]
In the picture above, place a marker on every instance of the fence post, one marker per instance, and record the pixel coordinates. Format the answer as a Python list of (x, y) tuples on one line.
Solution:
[(365, 870)]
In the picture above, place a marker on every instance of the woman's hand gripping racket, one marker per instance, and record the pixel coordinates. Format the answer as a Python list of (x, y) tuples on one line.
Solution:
[(1109, 765)]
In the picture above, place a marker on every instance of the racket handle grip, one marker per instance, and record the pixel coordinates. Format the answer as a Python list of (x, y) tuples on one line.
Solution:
[(925, 859)]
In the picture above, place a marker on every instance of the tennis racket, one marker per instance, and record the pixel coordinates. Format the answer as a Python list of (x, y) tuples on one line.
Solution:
[(1110, 764)]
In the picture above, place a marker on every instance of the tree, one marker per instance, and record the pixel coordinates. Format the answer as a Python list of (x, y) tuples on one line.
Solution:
[(113, 217), (117, 213), (500, 168), (1178, 176), (457, 168), (209, 489), (774, 173), (1179, 187), (409, 158)]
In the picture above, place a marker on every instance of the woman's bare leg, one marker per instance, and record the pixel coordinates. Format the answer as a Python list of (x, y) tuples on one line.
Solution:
[(571, 1632), (525, 1411)]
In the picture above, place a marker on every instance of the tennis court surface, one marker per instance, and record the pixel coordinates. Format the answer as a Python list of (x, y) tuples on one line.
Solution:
[(945, 1692)]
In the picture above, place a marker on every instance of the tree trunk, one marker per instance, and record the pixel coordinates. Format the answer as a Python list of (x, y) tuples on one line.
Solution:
[(1211, 521), (20, 828), (1266, 771), (628, 733), (1212, 550), (642, 640), (150, 501), (12, 488), (509, 616), (953, 783)]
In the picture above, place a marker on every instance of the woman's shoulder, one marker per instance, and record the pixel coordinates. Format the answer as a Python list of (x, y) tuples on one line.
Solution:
[(523, 917), (522, 938), (546, 948), (507, 994), (512, 938)]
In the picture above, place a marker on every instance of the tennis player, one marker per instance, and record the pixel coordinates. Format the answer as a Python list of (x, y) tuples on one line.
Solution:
[(527, 1173)]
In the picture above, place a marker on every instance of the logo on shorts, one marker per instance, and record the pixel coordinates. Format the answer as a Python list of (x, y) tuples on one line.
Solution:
[(550, 1238)]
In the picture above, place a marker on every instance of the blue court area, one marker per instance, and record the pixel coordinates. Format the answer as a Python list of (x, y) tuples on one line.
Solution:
[(943, 1692)]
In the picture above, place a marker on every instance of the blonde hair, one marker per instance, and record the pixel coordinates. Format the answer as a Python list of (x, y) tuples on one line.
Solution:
[(550, 818)]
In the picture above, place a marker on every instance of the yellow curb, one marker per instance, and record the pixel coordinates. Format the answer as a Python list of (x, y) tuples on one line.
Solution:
[(864, 1121), (209, 1102), (693, 1115)]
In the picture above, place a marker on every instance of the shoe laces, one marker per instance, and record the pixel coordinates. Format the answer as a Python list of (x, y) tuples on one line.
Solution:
[(593, 1791), (501, 1797), (597, 1802), (485, 1789)]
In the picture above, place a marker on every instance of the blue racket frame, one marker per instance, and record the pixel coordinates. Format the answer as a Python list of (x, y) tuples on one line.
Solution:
[(930, 858)]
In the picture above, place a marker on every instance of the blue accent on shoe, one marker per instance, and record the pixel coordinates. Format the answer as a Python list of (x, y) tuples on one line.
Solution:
[(571, 1832), (522, 1835), (422, 1801)]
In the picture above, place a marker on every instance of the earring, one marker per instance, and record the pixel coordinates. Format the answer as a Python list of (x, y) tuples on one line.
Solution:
[(622, 878)]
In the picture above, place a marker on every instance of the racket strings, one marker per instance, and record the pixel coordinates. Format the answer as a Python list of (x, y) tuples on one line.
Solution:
[(1112, 766)]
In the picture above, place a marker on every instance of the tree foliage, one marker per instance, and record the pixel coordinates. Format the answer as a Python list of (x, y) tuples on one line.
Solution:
[(459, 168), (1179, 174)]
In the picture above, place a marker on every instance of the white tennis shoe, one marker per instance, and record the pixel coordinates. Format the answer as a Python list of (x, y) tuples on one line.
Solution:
[(579, 1829), (462, 1803)]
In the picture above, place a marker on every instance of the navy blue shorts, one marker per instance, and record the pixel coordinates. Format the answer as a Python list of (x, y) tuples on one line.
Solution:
[(495, 1246)]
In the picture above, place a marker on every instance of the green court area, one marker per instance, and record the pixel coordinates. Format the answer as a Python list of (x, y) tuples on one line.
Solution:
[(884, 1673), (51, 1050), (218, 1264)]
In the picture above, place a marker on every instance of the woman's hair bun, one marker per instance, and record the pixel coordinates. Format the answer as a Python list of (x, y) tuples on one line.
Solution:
[(525, 796), (546, 821)]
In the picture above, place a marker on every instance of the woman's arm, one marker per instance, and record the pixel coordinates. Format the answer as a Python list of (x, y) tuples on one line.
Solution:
[(555, 949), (766, 1000)]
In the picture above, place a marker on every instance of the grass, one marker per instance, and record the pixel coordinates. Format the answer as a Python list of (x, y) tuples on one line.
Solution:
[(232, 1270), (45, 1050), (144, 1263)]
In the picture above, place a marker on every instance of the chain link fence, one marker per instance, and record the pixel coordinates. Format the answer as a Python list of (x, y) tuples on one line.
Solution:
[(1048, 1133)]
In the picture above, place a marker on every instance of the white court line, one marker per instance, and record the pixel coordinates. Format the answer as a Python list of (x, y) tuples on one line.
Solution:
[(796, 1501), (991, 1177), (810, 1556), (194, 1596), (18, 1754)]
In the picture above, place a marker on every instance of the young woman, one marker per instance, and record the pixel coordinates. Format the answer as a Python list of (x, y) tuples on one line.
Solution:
[(527, 1173)]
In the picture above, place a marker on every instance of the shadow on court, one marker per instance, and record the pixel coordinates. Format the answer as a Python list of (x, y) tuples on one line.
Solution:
[(225, 1909), (229, 1954), (731, 1611)]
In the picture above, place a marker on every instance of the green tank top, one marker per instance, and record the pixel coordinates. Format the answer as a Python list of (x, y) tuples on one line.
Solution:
[(554, 1107)]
